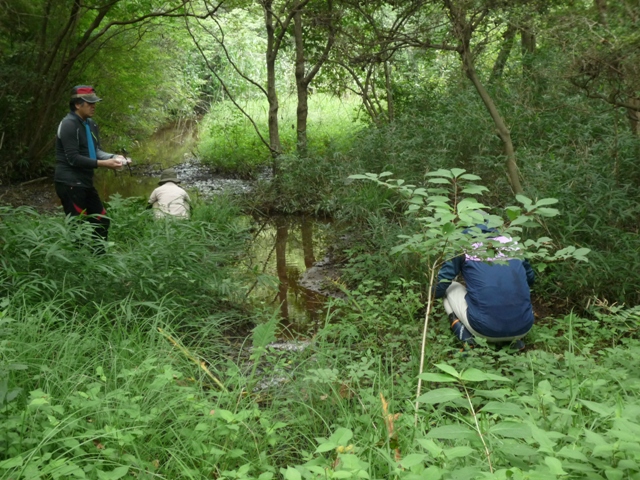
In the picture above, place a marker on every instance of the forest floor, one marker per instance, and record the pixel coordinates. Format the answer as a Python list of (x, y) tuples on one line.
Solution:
[(40, 194)]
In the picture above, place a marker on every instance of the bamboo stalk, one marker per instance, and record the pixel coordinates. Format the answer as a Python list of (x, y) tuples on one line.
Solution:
[(193, 358)]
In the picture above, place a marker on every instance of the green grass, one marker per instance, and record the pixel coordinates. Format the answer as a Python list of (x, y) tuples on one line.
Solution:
[(126, 366), (229, 142)]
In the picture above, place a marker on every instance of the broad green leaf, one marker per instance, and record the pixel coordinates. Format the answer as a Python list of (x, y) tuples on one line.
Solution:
[(471, 177), (599, 408), (612, 474), (511, 430), (114, 474), (497, 393), (341, 436), (475, 375), (604, 451), (456, 172), (12, 462), (573, 453), (448, 228), (526, 201), (505, 408), (431, 473), (547, 212), (594, 438), (265, 333), (474, 189), (517, 448), (452, 432), (448, 369), (430, 446), (291, 474), (439, 180), (440, 173), (554, 465), (342, 474), (439, 395), (546, 201), (457, 452), (471, 204), (325, 447), (413, 460)]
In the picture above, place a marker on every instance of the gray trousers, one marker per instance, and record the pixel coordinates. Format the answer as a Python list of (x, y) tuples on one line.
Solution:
[(455, 302)]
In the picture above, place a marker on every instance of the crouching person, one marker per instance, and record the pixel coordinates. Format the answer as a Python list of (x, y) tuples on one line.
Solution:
[(495, 304), (169, 199)]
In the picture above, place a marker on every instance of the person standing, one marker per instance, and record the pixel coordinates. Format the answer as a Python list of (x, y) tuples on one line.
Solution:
[(169, 198), (78, 154)]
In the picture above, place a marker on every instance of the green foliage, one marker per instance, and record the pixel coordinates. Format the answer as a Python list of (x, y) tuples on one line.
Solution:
[(228, 140), (52, 257)]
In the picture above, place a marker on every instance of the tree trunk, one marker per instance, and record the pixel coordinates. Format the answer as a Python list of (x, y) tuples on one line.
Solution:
[(307, 242), (601, 6), (389, 86), (503, 55), (302, 85), (528, 46), (303, 78), (501, 126), (272, 95)]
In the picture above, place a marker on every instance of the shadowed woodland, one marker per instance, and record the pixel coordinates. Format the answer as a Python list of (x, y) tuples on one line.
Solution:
[(394, 122)]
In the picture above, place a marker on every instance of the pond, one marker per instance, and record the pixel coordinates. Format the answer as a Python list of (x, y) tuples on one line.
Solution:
[(283, 247)]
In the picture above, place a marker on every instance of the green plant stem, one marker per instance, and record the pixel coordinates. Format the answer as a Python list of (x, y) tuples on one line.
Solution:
[(424, 336), (475, 419), (191, 357)]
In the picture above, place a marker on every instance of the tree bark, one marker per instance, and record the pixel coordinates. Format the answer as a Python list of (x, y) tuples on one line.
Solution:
[(503, 55), (302, 110), (272, 94), (303, 78), (601, 6), (501, 126), (389, 86), (282, 234), (528, 47)]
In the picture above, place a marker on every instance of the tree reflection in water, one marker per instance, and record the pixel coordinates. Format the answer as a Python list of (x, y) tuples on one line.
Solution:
[(297, 242)]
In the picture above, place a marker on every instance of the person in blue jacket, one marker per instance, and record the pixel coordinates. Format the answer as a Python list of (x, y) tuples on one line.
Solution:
[(495, 304)]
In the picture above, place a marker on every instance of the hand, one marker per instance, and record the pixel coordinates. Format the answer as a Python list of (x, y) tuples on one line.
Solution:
[(113, 163), (123, 160)]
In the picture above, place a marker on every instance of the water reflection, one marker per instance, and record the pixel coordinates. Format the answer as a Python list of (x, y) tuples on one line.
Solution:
[(169, 146), (294, 243)]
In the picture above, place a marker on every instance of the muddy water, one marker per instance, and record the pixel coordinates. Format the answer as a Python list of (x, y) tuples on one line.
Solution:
[(283, 248)]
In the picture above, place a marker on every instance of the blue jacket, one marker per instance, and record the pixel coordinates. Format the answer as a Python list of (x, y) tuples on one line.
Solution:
[(498, 296)]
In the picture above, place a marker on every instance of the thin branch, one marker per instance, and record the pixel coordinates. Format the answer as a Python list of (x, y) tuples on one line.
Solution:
[(230, 60), (226, 90)]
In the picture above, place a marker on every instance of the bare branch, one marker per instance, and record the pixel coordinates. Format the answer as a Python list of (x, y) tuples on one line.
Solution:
[(226, 90)]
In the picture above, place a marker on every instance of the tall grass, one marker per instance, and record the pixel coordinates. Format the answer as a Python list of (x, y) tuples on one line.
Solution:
[(144, 382), (228, 140)]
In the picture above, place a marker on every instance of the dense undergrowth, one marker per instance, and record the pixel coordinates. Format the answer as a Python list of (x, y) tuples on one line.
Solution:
[(581, 153), (119, 366), (125, 365)]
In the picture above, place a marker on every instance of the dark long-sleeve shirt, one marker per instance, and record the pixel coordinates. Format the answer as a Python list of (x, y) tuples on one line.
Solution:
[(73, 165), (498, 296)]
